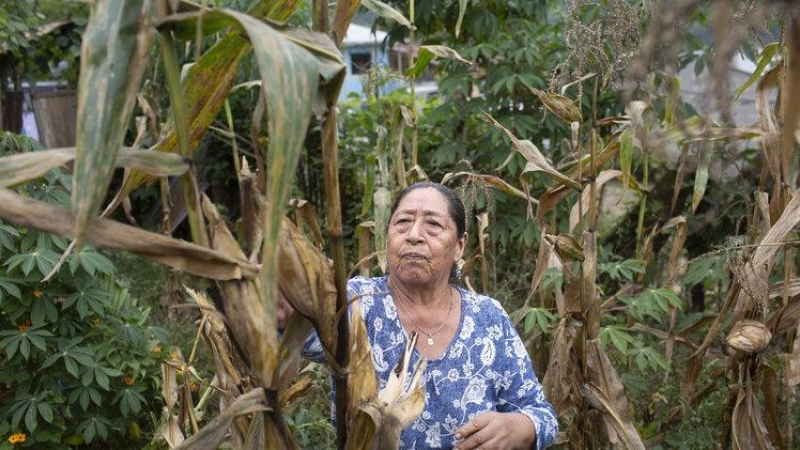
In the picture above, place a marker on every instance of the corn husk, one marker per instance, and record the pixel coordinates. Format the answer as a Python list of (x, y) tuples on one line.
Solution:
[(749, 336)]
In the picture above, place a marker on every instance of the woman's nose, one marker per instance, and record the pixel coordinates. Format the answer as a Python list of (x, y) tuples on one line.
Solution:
[(415, 232)]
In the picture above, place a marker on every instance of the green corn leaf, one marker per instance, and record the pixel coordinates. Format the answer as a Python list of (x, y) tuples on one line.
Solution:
[(766, 56), (386, 11), (426, 54), (625, 155), (462, 9), (113, 58), (290, 78)]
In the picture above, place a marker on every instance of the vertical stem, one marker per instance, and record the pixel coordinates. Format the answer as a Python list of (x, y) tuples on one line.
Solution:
[(330, 160), (642, 204), (188, 181), (411, 60), (236, 164)]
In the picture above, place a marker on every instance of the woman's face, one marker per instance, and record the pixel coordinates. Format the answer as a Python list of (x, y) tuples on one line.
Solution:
[(423, 242)]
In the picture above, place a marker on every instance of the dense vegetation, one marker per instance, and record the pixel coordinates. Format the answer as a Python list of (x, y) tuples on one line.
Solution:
[(645, 249)]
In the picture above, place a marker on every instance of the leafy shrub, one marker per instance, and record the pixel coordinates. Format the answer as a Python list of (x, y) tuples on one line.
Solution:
[(79, 362)]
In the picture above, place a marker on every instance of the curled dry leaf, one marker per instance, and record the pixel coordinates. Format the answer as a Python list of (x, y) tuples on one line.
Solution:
[(605, 392), (748, 431), (536, 162), (400, 401), (211, 435)]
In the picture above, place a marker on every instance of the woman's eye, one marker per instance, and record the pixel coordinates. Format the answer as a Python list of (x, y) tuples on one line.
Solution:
[(435, 224)]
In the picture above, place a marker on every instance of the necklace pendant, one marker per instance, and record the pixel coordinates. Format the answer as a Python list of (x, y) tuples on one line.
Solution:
[(430, 340)]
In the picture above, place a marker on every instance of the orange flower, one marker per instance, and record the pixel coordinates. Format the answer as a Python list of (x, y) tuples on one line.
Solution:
[(37, 293), (157, 348), (23, 327), (96, 321), (193, 386), (128, 380), (17, 438)]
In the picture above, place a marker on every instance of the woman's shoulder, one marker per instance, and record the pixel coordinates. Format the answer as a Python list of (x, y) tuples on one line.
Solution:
[(361, 285), (482, 305)]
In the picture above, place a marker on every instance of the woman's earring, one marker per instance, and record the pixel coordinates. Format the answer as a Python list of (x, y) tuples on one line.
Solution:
[(458, 272)]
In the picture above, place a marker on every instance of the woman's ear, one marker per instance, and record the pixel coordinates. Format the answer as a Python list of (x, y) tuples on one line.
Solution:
[(461, 244)]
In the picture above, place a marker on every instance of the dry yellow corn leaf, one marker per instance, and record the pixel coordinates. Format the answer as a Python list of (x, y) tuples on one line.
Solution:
[(104, 233), (211, 435), (605, 392), (536, 162), (252, 327)]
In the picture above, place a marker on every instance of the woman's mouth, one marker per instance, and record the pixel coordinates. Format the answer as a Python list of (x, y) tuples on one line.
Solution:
[(414, 257)]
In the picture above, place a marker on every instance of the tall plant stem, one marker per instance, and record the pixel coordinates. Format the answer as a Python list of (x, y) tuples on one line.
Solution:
[(412, 82), (330, 159), (642, 205), (189, 181)]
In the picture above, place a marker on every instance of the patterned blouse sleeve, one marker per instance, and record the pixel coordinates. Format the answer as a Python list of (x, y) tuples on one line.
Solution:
[(523, 392), (312, 348)]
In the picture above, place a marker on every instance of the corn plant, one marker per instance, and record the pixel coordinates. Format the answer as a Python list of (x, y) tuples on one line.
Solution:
[(300, 75)]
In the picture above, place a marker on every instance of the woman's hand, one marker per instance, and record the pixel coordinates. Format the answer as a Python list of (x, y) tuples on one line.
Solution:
[(495, 430)]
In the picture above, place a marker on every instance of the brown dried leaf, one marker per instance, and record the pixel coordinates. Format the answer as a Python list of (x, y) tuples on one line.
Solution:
[(363, 383), (400, 401), (754, 275), (557, 380), (605, 393), (211, 435), (216, 335), (785, 318), (771, 137), (602, 178), (542, 264), (23, 167), (251, 325), (793, 369), (791, 98), (298, 389), (104, 233), (294, 336), (536, 162), (748, 431), (305, 279), (491, 181), (678, 242)]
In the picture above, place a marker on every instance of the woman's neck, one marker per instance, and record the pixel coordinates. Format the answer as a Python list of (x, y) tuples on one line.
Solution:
[(421, 295)]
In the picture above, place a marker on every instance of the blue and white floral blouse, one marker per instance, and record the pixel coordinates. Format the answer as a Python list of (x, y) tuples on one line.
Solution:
[(485, 368)]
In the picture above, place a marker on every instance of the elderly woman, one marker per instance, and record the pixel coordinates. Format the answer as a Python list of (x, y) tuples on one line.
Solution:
[(481, 391)]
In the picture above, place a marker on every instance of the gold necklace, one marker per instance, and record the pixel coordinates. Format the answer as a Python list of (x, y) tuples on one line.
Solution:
[(429, 341)]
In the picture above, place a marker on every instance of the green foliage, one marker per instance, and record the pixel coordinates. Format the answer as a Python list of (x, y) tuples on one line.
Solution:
[(624, 270), (309, 417), (37, 35), (653, 303), (79, 361)]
